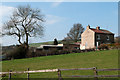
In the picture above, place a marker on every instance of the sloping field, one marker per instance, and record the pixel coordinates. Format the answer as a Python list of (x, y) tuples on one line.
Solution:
[(99, 59)]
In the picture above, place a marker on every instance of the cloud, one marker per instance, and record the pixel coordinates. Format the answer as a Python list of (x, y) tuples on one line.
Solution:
[(0, 26), (6, 11), (51, 19), (117, 34), (57, 3)]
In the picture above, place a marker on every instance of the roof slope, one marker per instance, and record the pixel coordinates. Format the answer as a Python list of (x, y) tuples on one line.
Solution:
[(101, 31)]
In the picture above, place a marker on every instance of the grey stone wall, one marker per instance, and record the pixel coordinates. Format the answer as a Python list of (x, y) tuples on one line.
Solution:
[(103, 38)]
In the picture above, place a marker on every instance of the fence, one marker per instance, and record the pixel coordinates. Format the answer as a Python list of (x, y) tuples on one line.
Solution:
[(95, 70)]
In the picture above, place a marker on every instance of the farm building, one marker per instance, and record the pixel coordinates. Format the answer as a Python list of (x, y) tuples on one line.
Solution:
[(92, 38), (50, 47), (70, 46)]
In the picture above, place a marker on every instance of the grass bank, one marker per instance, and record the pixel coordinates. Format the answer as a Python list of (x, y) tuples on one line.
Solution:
[(99, 59)]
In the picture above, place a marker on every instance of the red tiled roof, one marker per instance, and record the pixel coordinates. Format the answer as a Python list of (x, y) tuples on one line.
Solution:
[(101, 31)]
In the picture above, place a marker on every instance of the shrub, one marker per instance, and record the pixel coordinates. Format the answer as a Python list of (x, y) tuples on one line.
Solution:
[(114, 46), (30, 53), (103, 46), (17, 53), (64, 52), (76, 51), (117, 45), (49, 52)]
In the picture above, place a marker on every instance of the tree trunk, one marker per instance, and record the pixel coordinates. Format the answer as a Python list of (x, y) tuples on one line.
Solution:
[(26, 43)]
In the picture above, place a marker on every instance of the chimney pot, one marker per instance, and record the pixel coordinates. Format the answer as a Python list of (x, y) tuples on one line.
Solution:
[(88, 27), (98, 28)]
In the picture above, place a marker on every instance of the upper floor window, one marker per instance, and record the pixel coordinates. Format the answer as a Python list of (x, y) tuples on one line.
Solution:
[(108, 38), (98, 37)]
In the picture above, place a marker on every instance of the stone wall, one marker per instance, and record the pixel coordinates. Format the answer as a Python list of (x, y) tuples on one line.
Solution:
[(103, 38), (87, 39)]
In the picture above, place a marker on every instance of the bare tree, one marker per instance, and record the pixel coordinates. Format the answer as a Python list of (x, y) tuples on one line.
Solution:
[(75, 32), (24, 23), (117, 39)]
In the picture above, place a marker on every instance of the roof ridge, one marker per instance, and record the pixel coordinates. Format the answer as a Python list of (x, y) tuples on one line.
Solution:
[(101, 31)]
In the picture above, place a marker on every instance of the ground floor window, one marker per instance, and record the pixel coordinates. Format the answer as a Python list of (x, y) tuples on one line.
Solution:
[(108, 38)]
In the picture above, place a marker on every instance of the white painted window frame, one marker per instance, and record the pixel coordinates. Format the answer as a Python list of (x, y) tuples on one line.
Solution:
[(108, 37), (98, 37)]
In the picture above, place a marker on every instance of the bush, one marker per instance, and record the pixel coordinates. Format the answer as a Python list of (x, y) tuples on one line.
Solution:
[(47, 53), (114, 46), (76, 51), (64, 52), (40, 53), (117, 45), (30, 54), (103, 46), (18, 53)]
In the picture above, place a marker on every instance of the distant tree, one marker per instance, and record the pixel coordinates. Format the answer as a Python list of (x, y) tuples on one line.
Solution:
[(117, 39), (75, 32), (55, 42), (24, 23)]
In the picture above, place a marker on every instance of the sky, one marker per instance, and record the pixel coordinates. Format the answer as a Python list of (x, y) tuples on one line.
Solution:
[(60, 17)]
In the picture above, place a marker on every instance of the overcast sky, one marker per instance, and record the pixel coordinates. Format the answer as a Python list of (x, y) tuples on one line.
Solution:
[(60, 17)]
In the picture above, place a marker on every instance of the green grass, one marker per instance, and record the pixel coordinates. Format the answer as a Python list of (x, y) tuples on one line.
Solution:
[(99, 59), (38, 44)]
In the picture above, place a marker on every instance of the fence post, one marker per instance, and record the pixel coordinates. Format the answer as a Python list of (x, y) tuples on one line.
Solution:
[(95, 72), (28, 74), (59, 74), (10, 75)]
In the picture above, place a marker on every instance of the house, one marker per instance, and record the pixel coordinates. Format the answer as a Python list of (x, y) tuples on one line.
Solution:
[(92, 38)]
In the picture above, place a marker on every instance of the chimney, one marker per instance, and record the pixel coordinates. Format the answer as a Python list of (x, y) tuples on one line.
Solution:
[(98, 28), (88, 27)]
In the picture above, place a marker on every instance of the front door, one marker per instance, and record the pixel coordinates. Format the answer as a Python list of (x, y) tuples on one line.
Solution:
[(98, 43)]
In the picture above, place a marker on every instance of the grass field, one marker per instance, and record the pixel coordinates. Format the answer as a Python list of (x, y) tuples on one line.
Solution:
[(99, 59), (38, 44)]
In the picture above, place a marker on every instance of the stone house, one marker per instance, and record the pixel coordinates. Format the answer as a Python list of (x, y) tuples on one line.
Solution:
[(92, 38)]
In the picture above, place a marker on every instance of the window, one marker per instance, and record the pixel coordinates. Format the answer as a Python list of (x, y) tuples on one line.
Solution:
[(98, 37), (108, 38), (76, 48)]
